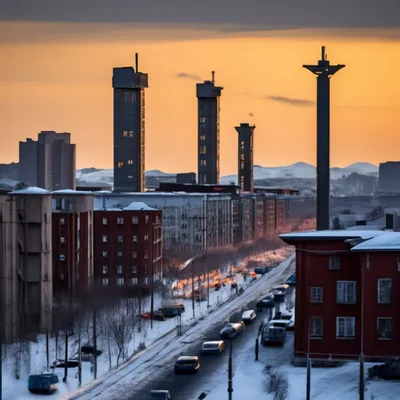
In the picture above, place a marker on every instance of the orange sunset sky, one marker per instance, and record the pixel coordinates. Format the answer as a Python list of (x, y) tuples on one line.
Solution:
[(57, 76)]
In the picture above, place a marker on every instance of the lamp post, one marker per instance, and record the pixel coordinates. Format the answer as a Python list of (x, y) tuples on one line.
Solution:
[(230, 372), (308, 394), (361, 381)]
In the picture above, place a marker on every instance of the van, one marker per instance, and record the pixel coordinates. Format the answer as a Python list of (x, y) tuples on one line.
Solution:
[(273, 335)]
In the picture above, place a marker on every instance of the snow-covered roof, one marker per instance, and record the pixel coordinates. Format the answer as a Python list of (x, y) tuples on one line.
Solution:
[(30, 190), (388, 241), (71, 192), (331, 234), (138, 206)]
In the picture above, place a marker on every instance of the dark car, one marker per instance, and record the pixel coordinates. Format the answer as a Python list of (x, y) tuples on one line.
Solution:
[(265, 302), (273, 335), (172, 310), (187, 364), (262, 270), (291, 281), (157, 316), (231, 330), (279, 292), (160, 395)]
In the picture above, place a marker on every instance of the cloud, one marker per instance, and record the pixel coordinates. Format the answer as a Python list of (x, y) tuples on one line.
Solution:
[(252, 14), (291, 102), (185, 75)]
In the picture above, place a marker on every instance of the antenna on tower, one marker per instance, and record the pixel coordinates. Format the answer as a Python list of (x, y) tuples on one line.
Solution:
[(137, 62), (213, 77), (323, 56)]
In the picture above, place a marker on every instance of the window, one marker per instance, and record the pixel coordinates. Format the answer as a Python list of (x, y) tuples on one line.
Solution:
[(105, 221), (133, 281), (120, 220), (125, 133), (130, 162), (62, 257), (398, 262), (104, 281), (384, 291), (62, 221), (202, 137), (134, 239), (105, 254), (120, 281), (62, 276), (385, 328), (105, 269), (146, 219), (202, 120), (316, 294), (130, 133), (203, 149), (316, 327), (134, 269), (135, 220), (134, 255), (334, 263), (203, 163), (345, 327), (120, 254), (120, 164), (146, 254), (120, 238), (119, 269), (146, 237), (62, 239), (105, 239), (346, 292)]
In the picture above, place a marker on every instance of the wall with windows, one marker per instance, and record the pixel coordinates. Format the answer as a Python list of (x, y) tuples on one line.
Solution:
[(128, 246)]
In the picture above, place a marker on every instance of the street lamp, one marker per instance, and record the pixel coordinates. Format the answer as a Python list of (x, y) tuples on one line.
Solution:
[(361, 381)]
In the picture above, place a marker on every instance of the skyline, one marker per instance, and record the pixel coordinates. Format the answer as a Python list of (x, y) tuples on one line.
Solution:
[(279, 93)]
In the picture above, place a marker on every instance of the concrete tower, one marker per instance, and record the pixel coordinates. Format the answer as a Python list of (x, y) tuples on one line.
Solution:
[(324, 71), (129, 128), (245, 156), (208, 96)]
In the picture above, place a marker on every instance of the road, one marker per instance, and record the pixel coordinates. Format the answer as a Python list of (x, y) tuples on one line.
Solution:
[(187, 387)]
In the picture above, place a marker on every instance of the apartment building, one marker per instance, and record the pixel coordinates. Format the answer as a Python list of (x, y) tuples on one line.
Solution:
[(128, 245), (347, 294), (72, 227)]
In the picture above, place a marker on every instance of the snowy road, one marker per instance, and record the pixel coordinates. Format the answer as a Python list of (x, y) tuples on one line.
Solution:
[(151, 364)]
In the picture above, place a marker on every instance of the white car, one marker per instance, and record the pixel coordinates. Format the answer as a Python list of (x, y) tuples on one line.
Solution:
[(216, 346), (281, 323), (248, 316)]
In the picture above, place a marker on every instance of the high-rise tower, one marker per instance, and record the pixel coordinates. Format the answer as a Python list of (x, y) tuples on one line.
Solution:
[(324, 71), (245, 156), (129, 128), (208, 96)]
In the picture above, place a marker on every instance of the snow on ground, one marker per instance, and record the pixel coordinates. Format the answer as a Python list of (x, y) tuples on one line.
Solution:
[(33, 356), (140, 369)]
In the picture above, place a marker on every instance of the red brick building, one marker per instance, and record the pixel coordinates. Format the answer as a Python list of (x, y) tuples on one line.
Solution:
[(347, 294), (128, 245), (72, 230)]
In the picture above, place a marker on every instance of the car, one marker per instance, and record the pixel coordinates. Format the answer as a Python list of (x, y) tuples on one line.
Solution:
[(187, 364), (279, 292), (213, 347), (282, 323), (157, 316), (172, 311), (273, 335), (262, 270), (265, 302), (248, 316), (291, 281), (283, 315), (160, 395), (231, 330)]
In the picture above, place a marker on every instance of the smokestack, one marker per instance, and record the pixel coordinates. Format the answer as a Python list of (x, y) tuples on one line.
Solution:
[(137, 62), (213, 77)]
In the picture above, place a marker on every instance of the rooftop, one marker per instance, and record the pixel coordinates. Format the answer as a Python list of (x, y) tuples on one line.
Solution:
[(330, 234), (71, 192), (388, 241), (134, 206), (31, 190)]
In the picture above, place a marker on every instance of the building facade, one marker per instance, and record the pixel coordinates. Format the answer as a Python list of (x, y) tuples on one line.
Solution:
[(193, 223), (128, 245), (72, 226), (129, 128), (49, 162), (208, 96), (245, 156), (346, 294), (25, 272), (389, 177)]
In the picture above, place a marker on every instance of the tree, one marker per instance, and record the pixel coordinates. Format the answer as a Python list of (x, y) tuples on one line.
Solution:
[(276, 383)]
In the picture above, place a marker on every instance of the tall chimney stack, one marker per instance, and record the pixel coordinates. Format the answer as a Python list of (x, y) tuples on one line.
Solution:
[(245, 156)]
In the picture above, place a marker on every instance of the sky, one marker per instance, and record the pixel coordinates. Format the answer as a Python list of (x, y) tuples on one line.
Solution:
[(57, 59)]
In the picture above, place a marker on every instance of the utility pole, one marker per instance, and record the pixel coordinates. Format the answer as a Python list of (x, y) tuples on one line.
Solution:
[(257, 348), (308, 395), (193, 288), (94, 343), (66, 341), (1, 342), (47, 351), (208, 286), (152, 296), (79, 352), (361, 382), (230, 372)]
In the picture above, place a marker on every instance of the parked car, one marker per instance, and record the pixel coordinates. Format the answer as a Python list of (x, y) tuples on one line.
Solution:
[(231, 330), (213, 347), (265, 302), (279, 292), (187, 364), (273, 335), (160, 395), (291, 281), (248, 316), (172, 310), (45, 383), (283, 315), (157, 316), (234, 285), (282, 323), (262, 270)]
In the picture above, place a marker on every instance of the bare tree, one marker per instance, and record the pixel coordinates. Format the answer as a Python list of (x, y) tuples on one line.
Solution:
[(276, 384)]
